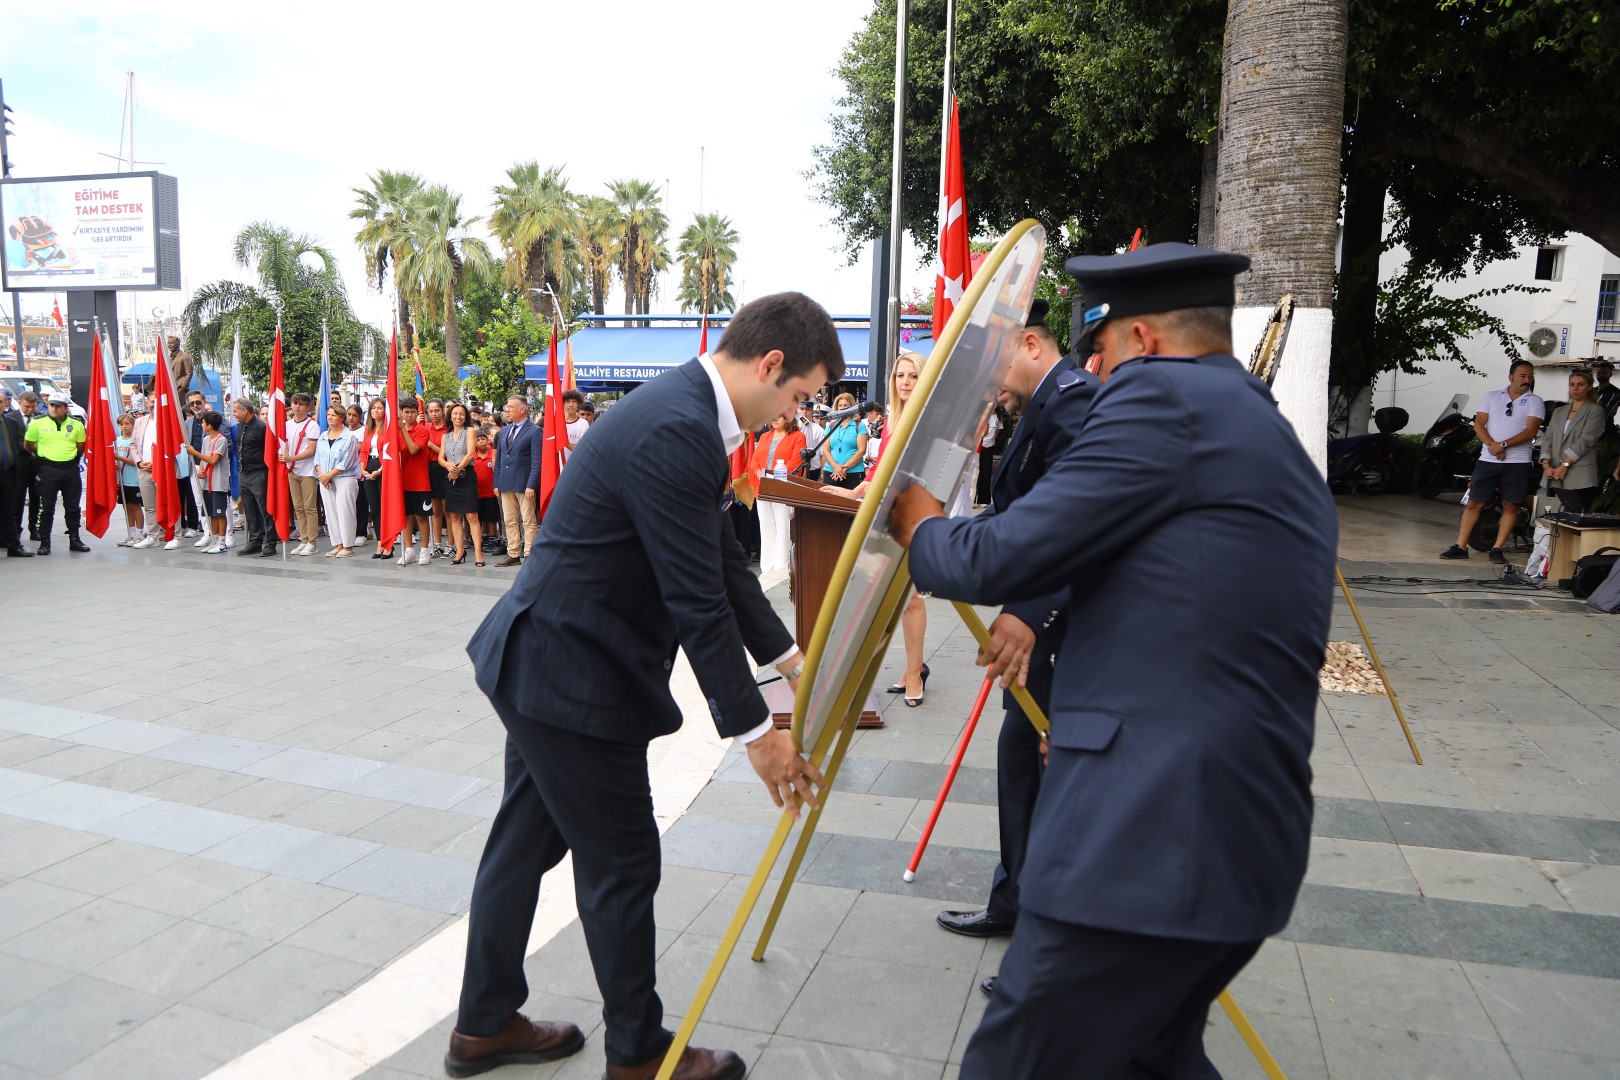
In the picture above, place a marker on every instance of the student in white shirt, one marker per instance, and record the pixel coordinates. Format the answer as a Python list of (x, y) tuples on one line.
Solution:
[(576, 424), (298, 453)]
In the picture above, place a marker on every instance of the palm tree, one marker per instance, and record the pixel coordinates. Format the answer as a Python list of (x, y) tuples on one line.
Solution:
[(1277, 172), (383, 209), (708, 251), (642, 252), (276, 257), (599, 245), (537, 222), (439, 255)]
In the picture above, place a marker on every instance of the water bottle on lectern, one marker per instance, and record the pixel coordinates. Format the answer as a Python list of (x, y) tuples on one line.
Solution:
[(781, 469)]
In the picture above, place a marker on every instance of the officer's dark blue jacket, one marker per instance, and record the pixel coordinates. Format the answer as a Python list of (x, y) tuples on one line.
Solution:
[(1197, 541)]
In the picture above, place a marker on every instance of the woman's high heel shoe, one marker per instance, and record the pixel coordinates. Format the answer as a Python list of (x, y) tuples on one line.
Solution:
[(459, 559), (900, 687)]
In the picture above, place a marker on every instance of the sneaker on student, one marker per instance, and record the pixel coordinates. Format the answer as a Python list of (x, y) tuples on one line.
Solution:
[(424, 558), (406, 555), (146, 542), (1497, 557), (188, 533), (1455, 551), (172, 545), (204, 540)]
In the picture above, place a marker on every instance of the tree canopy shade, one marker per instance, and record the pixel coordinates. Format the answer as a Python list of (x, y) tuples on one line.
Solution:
[(286, 268)]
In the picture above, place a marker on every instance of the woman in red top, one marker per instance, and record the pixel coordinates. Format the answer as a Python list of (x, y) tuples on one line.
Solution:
[(371, 471), (780, 443)]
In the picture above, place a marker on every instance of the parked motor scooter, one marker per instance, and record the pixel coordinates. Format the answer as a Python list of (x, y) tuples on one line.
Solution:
[(1367, 464), (1447, 462)]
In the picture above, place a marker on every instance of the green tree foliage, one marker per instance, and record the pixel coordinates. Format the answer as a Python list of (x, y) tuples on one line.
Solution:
[(383, 210), (296, 273), (642, 231), (512, 335), (708, 251), (538, 223), (439, 375), (441, 255)]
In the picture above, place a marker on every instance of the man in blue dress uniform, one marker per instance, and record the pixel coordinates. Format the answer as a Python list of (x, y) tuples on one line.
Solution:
[(1052, 397), (1197, 542)]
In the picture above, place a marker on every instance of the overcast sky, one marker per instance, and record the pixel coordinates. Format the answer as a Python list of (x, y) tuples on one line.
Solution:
[(276, 112)]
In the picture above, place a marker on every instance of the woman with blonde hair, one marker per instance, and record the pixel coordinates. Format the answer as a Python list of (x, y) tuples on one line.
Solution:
[(846, 446), (908, 368)]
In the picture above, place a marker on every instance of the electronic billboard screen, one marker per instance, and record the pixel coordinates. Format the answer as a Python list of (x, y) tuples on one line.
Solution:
[(112, 231)]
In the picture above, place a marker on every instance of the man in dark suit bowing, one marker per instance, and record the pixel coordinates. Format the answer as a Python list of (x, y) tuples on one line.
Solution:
[(1052, 397), (635, 558), (1196, 539)]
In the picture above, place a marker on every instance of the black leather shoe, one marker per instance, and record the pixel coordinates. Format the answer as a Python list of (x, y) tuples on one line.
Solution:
[(19, 552), (521, 1042), (974, 923), (251, 549), (44, 547), (987, 987), (269, 553), (75, 544)]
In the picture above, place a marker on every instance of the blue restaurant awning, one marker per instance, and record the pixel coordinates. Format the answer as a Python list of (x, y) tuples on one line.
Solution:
[(618, 357)]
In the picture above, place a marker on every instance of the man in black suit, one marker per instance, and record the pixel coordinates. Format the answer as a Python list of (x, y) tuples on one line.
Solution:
[(517, 476), (635, 558), (12, 428), (253, 478), (1053, 396)]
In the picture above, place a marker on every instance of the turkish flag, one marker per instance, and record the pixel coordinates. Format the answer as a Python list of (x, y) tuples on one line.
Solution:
[(391, 515), (568, 364), (165, 447), (703, 341), (100, 443), (56, 313), (276, 496), (554, 435), (955, 265)]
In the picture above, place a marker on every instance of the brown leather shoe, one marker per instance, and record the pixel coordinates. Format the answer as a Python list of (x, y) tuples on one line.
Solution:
[(510, 560), (521, 1042), (696, 1064)]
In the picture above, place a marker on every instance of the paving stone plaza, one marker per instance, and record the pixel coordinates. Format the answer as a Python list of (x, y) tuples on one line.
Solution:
[(242, 802)]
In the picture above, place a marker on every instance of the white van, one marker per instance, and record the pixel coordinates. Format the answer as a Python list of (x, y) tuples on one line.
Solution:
[(43, 385)]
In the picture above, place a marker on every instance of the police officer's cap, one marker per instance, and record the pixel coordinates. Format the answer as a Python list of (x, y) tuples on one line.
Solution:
[(57, 398), (1159, 277)]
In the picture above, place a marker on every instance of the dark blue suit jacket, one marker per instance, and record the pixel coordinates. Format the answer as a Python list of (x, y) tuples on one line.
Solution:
[(1050, 423), (1197, 540), (517, 457), (635, 557)]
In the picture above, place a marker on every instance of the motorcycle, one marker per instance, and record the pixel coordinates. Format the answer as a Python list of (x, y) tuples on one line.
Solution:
[(1367, 464), (1447, 462)]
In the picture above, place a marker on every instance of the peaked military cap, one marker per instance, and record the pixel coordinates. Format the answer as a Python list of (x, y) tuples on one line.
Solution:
[(1037, 313), (1159, 277)]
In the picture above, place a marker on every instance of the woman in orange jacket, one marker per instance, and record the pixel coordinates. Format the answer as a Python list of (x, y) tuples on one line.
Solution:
[(781, 442)]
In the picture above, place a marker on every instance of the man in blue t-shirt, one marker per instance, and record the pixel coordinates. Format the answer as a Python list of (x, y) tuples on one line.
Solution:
[(1506, 424)]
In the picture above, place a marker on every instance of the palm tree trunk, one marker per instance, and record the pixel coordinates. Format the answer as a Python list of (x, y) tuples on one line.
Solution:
[(404, 318), (452, 332), (1282, 124)]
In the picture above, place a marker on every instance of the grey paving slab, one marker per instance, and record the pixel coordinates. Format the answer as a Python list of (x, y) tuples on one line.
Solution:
[(280, 986), (1411, 993), (73, 761), (80, 938), (273, 908), (106, 867), (180, 960), (419, 787), (48, 721), (24, 851), (1519, 937), (186, 886), (82, 1015), (1484, 878), (902, 930), (416, 828), (22, 980), (312, 768), (1552, 1011), (1292, 1040), (18, 750), (290, 851), (892, 1008), (787, 1058), (130, 736), (266, 800), (723, 846), (216, 752), (1366, 919), (1535, 1063), (176, 827), (72, 805), (182, 1041), (1355, 1050), (428, 881), (1531, 835), (18, 782), (916, 780), (754, 996), (196, 785), (337, 812), (811, 917), (368, 930), (951, 875)]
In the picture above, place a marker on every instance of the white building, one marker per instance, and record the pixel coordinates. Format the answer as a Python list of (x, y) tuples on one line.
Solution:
[(1576, 319)]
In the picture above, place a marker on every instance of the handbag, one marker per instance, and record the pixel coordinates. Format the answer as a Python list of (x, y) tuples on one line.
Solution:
[(1606, 596), (1592, 570)]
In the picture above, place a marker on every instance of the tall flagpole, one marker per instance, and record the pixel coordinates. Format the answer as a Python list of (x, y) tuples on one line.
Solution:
[(950, 92), (896, 231)]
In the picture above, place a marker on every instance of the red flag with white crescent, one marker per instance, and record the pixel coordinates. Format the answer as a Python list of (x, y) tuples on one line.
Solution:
[(554, 435), (165, 447), (56, 313), (391, 515), (276, 495), (955, 265), (100, 467)]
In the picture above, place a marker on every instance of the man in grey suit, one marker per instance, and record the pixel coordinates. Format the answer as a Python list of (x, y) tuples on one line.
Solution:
[(635, 559)]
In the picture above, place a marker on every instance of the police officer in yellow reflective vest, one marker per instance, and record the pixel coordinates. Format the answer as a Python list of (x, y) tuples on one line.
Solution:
[(57, 443)]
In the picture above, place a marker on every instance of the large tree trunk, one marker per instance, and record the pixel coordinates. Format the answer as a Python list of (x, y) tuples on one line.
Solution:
[(452, 331), (1282, 122), (404, 320), (535, 278)]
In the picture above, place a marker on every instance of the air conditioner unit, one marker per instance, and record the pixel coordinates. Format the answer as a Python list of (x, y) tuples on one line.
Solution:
[(1549, 341)]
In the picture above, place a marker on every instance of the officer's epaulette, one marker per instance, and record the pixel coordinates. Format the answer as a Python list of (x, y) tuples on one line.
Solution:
[(1069, 379)]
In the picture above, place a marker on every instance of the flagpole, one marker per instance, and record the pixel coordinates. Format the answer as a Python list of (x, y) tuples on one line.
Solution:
[(950, 86), (896, 158)]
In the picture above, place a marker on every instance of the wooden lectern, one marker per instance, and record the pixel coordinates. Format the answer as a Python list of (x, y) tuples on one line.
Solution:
[(820, 524)]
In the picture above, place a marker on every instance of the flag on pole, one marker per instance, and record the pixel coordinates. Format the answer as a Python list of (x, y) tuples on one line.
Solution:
[(421, 383), (955, 268), (115, 388), (56, 313), (276, 494), (703, 339), (391, 515), (101, 435), (324, 402), (166, 446), (553, 434), (568, 363), (236, 366)]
